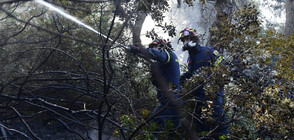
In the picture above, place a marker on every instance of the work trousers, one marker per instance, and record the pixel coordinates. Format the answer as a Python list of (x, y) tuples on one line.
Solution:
[(202, 124)]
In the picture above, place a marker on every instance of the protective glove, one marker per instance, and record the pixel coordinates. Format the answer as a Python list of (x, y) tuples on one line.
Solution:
[(132, 49)]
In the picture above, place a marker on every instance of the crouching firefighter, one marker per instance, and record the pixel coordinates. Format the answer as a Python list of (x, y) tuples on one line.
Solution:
[(166, 77), (200, 56)]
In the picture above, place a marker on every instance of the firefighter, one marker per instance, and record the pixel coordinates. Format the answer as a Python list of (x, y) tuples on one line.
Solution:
[(167, 66), (200, 56)]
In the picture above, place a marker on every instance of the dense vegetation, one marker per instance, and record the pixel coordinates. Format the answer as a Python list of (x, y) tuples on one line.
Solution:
[(60, 80)]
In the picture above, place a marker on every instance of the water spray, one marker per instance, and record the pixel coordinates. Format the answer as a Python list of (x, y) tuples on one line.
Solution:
[(74, 19)]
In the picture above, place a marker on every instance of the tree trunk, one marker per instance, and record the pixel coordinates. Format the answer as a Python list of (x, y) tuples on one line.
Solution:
[(137, 29), (289, 28), (223, 11), (179, 3)]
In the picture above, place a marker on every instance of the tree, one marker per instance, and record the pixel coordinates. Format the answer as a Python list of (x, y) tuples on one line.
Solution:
[(289, 17), (61, 58), (223, 10), (70, 76), (256, 79), (137, 29), (59, 73)]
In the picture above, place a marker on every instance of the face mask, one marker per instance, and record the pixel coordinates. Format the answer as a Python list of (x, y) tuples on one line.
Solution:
[(185, 47)]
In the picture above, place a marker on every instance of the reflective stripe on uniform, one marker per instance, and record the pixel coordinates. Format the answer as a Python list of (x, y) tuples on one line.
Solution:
[(224, 137), (219, 60), (168, 56)]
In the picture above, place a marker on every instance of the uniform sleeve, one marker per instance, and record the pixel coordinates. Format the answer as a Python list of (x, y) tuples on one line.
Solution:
[(159, 55), (191, 71), (217, 57)]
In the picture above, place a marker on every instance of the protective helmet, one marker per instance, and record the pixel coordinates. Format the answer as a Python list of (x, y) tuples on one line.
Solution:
[(163, 44), (156, 42), (190, 34)]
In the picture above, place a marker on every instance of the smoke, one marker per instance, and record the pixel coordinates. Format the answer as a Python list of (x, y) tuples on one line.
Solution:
[(197, 16)]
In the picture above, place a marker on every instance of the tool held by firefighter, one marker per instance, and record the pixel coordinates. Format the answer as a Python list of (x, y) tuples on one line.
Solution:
[(165, 69)]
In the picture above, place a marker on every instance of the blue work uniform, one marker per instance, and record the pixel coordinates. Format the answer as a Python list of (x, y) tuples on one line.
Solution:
[(200, 56), (168, 66)]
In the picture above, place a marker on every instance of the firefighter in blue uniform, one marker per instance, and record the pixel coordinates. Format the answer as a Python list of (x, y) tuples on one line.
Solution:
[(168, 66), (200, 56)]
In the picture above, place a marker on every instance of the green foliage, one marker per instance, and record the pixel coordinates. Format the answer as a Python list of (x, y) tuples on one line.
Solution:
[(149, 131), (257, 77), (266, 117), (190, 2), (156, 8), (68, 74), (240, 33), (280, 52), (202, 1)]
